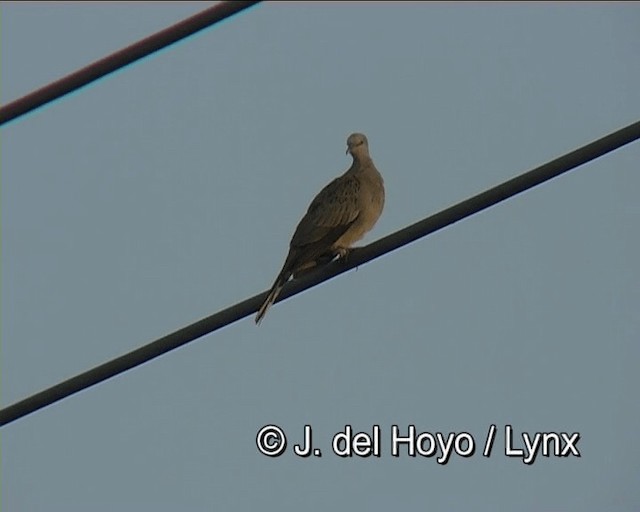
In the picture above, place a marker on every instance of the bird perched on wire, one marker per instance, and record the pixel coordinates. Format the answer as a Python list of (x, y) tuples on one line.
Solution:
[(340, 215)]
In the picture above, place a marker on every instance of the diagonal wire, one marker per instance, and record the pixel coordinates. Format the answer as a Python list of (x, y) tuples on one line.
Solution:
[(121, 58), (357, 257)]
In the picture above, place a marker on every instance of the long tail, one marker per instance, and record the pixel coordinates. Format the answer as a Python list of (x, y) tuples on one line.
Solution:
[(273, 295)]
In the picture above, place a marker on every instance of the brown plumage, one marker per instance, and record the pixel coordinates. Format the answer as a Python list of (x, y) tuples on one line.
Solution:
[(340, 215)]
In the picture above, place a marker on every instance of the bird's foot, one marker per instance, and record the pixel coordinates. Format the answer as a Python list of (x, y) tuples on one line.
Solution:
[(343, 253), (338, 254)]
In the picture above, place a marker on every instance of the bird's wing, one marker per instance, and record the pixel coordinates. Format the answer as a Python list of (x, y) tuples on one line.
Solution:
[(330, 214)]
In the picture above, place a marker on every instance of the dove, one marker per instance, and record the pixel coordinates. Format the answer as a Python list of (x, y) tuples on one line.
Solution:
[(340, 215)]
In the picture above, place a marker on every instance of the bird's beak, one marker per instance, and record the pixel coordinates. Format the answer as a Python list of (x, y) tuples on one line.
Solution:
[(347, 151)]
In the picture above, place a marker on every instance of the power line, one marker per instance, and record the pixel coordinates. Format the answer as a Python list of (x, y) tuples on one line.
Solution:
[(121, 58), (356, 258)]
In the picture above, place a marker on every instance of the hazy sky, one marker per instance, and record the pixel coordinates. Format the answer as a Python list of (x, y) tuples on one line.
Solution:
[(169, 190)]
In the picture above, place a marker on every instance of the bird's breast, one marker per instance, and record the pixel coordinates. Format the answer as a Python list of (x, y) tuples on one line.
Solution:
[(370, 206)]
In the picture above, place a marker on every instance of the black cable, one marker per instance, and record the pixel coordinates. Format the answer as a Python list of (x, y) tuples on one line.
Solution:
[(121, 58), (356, 258)]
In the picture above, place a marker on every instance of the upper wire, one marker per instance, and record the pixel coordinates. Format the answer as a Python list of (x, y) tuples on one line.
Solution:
[(121, 58)]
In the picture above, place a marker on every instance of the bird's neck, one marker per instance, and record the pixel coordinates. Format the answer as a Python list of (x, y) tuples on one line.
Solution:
[(361, 160)]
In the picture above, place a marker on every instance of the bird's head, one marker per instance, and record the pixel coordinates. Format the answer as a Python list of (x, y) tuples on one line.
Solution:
[(357, 145)]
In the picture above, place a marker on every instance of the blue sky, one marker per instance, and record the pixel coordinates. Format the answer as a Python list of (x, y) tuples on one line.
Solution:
[(170, 190)]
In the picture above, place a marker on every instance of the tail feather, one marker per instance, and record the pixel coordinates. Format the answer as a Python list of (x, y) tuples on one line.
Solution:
[(272, 296)]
